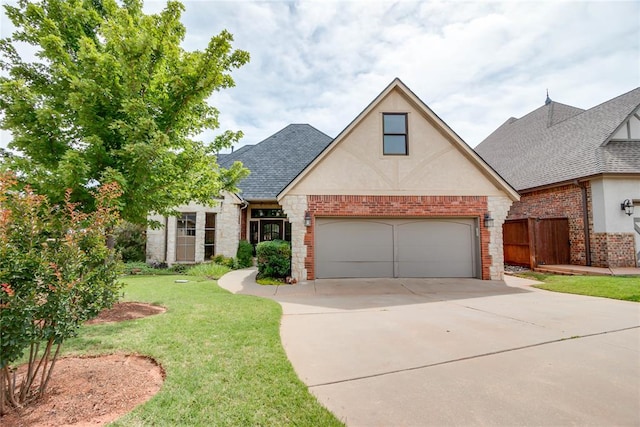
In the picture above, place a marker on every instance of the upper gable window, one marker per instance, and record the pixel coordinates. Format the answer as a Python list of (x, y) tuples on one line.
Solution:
[(395, 138)]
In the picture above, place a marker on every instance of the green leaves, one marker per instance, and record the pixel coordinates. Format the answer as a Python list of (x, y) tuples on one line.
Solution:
[(115, 96), (56, 270)]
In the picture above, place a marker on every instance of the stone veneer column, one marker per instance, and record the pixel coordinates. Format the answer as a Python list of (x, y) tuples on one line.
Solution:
[(156, 249), (295, 207), (171, 240), (227, 226), (499, 209)]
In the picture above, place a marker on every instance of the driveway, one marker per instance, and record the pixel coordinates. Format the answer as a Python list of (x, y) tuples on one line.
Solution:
[(417, 352)]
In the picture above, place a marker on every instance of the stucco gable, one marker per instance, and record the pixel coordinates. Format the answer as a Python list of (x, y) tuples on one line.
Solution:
[(439, 162)]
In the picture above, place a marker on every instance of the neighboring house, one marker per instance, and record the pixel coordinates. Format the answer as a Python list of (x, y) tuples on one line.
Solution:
[(396, 194), (578, 164)]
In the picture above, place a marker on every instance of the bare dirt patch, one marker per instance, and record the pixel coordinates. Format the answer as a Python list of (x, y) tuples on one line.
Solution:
[(93, 391), (127, 311)]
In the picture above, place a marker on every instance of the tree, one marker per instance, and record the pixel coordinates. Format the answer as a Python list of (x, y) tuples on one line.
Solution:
[(114, 97), (56, 272)]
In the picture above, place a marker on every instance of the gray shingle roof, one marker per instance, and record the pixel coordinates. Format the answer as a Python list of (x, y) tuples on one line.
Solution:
[(558, 143), (277, 160)]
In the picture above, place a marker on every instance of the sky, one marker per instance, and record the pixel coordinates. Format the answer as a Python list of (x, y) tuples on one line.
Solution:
[(475, 64)]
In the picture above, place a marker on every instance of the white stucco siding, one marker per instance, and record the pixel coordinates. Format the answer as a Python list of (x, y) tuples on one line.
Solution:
[(435, 165), (607, 195)]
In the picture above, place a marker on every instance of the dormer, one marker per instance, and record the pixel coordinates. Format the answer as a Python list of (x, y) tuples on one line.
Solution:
[(629, 130)]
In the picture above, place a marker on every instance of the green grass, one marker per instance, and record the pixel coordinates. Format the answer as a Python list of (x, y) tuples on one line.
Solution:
[(616, 287), (225, 365)]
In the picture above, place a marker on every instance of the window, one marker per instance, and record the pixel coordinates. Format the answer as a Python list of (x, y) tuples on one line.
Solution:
[(186, 237), (267, 213), (394, 128), (209, 236)]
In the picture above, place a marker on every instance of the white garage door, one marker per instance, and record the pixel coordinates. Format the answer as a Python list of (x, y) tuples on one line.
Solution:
[(396, 248)]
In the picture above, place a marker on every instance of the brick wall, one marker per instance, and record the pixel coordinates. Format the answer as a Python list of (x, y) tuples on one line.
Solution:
[(397, 206), (606, 249), (564, 201), (243, 223), (613, 250)]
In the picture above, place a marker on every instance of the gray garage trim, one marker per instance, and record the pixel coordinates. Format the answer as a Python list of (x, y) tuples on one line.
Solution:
[(443, 247)]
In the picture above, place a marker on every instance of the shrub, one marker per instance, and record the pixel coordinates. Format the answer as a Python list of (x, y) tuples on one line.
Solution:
[(131, 240), (245, 254), (223, 260), (274, 258), (208, 270), (179, 268), (56, 272), (143, 268)]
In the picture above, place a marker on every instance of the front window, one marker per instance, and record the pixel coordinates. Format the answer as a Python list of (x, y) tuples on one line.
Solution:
[(209, 236), (186, 237), (395, 134)]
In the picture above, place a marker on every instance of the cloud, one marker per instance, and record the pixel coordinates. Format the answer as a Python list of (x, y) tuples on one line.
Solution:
[(474, 63)]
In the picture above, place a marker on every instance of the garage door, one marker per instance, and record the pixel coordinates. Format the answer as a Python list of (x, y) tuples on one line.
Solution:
[(395, 248)]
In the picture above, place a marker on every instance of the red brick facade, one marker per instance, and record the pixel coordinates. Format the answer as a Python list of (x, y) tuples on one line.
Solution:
[(243, 224), (613, 250), (565, 201), (397, 206), (606, 249)]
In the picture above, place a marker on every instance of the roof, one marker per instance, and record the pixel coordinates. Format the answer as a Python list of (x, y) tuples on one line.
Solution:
[(558, 143), (437, 122), (277, 160)]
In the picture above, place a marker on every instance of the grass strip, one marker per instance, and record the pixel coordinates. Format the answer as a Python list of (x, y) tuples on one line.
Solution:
[(222, 354), (625, 288)]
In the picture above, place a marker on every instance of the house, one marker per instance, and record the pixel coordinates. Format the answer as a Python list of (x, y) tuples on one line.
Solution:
[(254, 214), (583, 165), (396, 194)]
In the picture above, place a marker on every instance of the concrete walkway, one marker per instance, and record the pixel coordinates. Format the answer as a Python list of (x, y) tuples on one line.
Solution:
[(417, 352)]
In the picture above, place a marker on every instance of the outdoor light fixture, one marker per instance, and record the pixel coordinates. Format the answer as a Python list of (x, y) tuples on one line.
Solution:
[(307, 219), (488, 221), (627, 207)]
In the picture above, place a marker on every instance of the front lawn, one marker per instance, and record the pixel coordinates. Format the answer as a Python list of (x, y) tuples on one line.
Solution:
[(222, 354), (616, 287)]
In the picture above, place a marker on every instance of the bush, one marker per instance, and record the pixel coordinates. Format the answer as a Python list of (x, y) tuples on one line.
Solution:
[(179, 268), (274, 258), (131, 240), (226, 261), (208, 270), (132, 268), (56, 272), (245, 254)]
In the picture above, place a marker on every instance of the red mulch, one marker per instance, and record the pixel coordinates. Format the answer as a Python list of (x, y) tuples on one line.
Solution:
[(92, 391)]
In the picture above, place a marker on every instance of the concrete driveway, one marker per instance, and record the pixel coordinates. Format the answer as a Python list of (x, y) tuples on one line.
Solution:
[(418, 352)]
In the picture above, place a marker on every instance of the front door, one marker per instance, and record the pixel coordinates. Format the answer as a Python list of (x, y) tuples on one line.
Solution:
[(271, 230)]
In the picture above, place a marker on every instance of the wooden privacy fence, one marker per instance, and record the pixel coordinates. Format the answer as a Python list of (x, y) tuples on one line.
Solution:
[(536, 241)]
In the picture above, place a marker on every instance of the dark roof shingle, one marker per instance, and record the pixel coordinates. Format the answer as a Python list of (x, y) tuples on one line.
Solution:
[(559, 143), (277, 160)]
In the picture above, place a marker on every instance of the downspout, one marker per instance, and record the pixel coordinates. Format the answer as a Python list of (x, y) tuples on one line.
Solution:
[(585, 220)]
